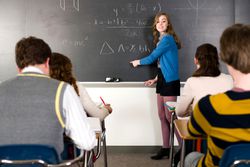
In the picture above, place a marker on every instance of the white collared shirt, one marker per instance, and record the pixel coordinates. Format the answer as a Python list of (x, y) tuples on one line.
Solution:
[(76, 124)]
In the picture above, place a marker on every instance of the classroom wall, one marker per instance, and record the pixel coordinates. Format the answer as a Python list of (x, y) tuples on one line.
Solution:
[(134, 121)]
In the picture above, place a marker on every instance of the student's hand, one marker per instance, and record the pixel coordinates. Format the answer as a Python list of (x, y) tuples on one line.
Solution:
[(150, 82), (107, 106), (135, 63)]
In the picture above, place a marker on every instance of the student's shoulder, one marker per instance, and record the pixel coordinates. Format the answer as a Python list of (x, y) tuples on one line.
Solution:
[(209, 102), (58, 82), (226, 76), (227, 80), (80, 86), (194, 84), (218, 99), (221, 103), (193, 80)]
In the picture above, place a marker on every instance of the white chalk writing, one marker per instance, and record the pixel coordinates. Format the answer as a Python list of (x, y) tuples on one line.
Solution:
[(108, 49)]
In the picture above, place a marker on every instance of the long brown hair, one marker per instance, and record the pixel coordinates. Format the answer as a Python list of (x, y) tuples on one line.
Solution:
[(61, 69), (170, 30), (208, 59)]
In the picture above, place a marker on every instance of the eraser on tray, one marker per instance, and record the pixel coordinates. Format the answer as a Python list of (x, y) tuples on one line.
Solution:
[(109, 79)]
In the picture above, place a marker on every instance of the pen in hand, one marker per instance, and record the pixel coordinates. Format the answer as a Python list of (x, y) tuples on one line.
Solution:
[(107, 106), (102, 101)]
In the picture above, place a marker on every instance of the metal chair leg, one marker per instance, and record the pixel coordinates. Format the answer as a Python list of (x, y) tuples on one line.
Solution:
[(85, 162), (171, 156), (104, 145), (90, 159), (182, 160)]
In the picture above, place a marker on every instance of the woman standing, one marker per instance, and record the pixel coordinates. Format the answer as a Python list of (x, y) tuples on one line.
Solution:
[(167, 80)]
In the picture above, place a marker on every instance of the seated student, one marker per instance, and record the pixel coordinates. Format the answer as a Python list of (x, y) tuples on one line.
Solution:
[(207, 79), (29, 111), (224, 118), (61, 69)]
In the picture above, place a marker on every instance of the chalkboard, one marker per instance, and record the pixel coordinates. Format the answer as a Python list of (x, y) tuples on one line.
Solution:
[(242, 14), (102, 36)]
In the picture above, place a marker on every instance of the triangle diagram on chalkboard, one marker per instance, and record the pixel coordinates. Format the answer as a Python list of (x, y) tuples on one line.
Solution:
[(106, 49)]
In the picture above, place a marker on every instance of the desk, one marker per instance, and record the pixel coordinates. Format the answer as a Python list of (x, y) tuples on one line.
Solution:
[(99, 128), (181, 127), (95, 125)]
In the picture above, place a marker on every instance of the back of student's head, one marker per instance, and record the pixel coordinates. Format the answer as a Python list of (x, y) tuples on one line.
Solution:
[(235, 47), (208, 60), (31, 51), (61, 69)]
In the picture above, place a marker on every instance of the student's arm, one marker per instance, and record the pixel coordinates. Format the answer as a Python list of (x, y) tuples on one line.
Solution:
[(76, 124), (184, 103), (198, 125), (90, 107)]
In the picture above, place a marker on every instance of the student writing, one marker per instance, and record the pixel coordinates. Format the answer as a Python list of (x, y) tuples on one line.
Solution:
[(61, 69)]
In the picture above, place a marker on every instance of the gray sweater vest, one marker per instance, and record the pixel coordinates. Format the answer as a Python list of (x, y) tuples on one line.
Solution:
[(28, 105)]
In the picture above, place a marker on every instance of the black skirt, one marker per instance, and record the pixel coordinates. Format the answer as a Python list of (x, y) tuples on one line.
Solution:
[(167, 88)]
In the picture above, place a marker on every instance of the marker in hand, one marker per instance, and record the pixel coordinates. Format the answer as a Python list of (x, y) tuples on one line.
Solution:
[(102, 101)]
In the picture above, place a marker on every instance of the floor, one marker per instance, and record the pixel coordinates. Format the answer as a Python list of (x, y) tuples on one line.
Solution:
[(134, 156), (131, 160), (131, 157)]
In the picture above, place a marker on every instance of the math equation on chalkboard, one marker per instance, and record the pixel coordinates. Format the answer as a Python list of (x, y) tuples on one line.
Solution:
[(103, 36)]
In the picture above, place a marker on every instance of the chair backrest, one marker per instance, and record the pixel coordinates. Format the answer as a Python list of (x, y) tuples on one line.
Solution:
[(26, 155), (28, 152), (236, 155)]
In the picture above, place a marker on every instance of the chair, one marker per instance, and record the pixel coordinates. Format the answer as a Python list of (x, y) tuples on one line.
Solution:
[(93, 155), (90, 156), (236, 155), (25, 155)]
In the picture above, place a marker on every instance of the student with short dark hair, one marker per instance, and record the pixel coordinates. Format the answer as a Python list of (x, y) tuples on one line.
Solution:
[(224, 118), (35, 109)]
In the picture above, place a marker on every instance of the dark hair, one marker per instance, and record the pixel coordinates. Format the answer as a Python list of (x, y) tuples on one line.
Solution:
[(235, 47), (31, 51), (61, 69), (208, 59), (170, 30)]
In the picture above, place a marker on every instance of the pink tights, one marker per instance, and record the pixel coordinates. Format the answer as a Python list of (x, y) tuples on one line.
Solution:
[(165, 116)]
